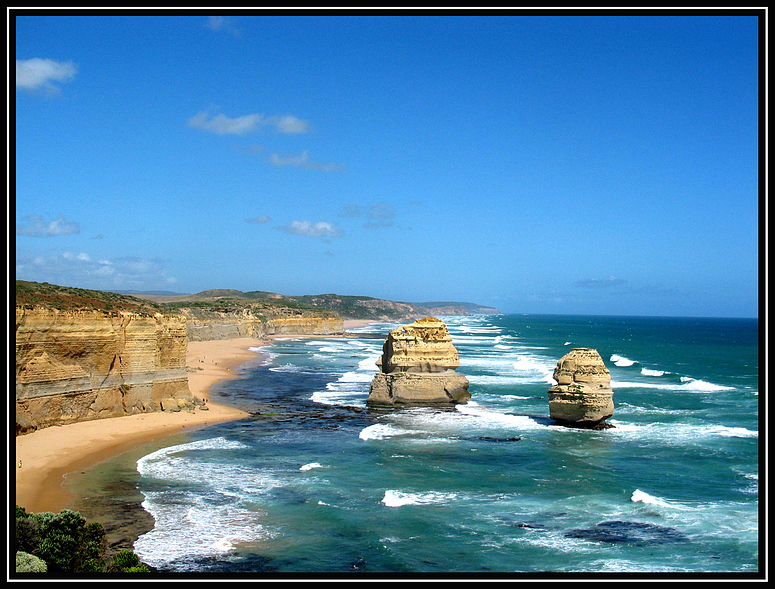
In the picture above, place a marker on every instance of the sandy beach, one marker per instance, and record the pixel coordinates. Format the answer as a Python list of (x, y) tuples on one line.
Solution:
[(47, 455)]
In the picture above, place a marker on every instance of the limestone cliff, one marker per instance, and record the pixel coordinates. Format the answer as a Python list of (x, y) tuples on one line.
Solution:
[(80, 364), (583, 396), (85, 354), (417, 367), (229, 323)]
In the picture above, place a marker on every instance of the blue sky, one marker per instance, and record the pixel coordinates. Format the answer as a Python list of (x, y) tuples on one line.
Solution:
[(560, 164)]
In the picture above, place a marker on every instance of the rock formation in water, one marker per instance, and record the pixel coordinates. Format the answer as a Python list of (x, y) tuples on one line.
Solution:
[(417, 367), (76, 365), (582, 396)]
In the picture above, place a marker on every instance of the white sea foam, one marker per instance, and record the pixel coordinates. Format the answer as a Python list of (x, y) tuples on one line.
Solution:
[(287, 368), (398, 498), (621, 360), (380, 431), (310, 466), (691, 384), (677, 433), (473, 340), (163, 462), (623, 407), (489, 418), (652, 372), (639, 496), (200, 510), (369, 364), (202, 530), (687, 385), (728, 432)]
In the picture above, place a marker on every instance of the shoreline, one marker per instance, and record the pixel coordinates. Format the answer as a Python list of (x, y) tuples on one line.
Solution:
[(50, 454)]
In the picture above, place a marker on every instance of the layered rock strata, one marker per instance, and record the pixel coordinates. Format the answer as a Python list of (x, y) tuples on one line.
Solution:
[(231, 324), (417, 367), (76, 365), (582, 396)]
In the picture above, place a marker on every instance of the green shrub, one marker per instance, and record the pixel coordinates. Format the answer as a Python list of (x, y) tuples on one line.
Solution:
[(126, 561), (27, 535), (28, 563), (65, 541)]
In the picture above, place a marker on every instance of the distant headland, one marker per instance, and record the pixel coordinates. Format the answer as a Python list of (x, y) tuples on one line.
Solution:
[(346, 306)]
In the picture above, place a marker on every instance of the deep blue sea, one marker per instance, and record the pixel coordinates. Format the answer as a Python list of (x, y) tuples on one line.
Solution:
[(317, 482)]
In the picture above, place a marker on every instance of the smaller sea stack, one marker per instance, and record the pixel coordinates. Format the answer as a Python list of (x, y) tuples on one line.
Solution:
[(582, 396), (417, 367)]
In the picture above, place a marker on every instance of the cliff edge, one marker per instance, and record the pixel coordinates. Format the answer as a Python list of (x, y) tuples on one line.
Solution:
[(80, 364)]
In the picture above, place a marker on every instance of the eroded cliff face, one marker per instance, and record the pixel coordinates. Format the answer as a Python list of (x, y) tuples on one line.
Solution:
[(582, 396), (76, 365), (417, 367), (229, 324), (305, 325)]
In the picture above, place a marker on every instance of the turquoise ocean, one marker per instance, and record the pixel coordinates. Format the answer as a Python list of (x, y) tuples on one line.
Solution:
[(316, 482)]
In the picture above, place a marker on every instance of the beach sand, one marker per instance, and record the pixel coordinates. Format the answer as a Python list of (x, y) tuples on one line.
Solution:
[(48, 455)]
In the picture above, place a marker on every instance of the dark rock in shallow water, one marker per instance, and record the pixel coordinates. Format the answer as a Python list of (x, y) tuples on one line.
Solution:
[(638, 533), (493, 439)]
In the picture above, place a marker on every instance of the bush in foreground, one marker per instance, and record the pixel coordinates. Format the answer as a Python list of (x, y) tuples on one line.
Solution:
[(28, 563), (65, 543)]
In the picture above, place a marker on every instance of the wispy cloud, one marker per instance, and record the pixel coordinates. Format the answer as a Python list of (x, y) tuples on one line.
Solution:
[(221, 124), (37, 226), (351, 210), (377, 215), (321, 229), (260, 219), (42, 74), (289, 125), (601, 282), (69, 268), (219, 24), (380, 215), (303, 161)]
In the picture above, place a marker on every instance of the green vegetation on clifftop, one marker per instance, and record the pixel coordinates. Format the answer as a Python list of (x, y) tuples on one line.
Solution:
[(261, 304)]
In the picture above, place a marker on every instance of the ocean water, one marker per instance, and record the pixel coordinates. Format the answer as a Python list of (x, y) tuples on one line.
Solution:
[(317, 482)]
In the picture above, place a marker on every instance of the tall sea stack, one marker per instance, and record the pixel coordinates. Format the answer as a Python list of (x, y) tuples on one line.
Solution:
[(583, 396), (417, 367)]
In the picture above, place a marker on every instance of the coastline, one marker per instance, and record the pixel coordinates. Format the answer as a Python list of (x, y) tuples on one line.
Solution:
[(49, 454)]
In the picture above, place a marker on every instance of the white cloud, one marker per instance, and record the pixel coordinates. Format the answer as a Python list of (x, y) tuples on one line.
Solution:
[(322, 229), (36, 226), (289, 125), (79, 269), (221, 23), (40, 74), (303, 161), (221, 124)]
